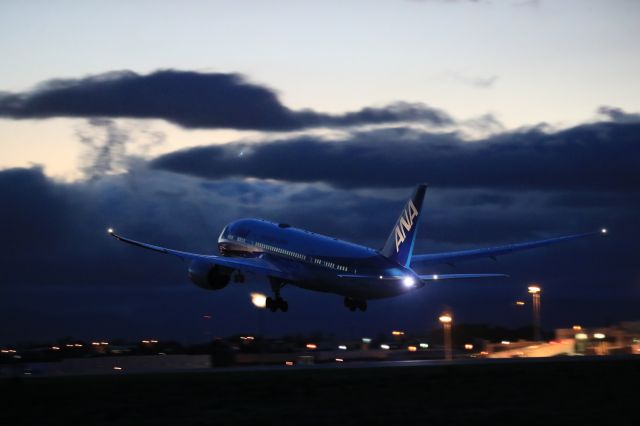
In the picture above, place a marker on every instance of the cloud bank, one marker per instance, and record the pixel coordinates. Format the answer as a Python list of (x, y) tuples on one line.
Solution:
[(194, 100), (61, 274), (597, 156)]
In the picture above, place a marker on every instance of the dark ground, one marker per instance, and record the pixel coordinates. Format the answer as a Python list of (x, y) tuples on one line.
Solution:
[(585, 392)]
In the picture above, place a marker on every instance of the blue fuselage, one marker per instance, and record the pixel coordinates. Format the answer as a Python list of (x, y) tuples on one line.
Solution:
[(318, 262)]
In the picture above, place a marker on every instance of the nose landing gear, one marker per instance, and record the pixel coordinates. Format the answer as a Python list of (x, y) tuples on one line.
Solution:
[(353, 304), (273, 304)]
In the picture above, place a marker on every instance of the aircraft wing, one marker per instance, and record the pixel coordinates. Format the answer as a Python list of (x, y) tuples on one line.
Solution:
[(255, 264), (453, 257)]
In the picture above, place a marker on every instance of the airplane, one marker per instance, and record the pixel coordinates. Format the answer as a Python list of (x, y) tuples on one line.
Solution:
[(292, 256)]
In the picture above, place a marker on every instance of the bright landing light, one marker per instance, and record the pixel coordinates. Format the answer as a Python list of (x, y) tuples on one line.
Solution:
[(259, 300), (408, 281), (110, 230), (603, 230)]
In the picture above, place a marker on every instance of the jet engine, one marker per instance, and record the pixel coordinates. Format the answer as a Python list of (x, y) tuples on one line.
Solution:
[(210, 277)]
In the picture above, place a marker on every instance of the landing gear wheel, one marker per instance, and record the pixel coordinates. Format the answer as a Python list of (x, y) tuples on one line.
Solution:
[(271, 304), (353, 304), (278, 302)]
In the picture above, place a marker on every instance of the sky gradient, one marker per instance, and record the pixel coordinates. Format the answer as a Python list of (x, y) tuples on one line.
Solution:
[(167, 121)]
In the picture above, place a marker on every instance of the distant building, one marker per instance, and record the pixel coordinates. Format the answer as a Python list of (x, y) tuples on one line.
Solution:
[(619, 339)]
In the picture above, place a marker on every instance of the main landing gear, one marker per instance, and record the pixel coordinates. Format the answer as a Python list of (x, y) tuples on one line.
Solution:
[(353, 304), (277, 303)]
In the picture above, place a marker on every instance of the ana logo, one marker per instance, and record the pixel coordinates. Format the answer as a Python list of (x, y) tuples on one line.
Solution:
[(405, 223)]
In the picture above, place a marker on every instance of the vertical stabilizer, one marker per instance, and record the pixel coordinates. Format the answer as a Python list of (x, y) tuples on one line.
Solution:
[(399, 245)]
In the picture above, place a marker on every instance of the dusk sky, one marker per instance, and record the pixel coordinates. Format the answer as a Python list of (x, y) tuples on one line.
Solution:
[(167, 120)]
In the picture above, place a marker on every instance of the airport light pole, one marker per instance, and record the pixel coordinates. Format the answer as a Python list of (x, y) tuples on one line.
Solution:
[(446, 320), (535, 291)]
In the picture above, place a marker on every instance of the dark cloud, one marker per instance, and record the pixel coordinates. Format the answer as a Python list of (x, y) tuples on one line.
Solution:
[(618, 115), (193, 100), (61, 274), (103, 152), (599, 156)]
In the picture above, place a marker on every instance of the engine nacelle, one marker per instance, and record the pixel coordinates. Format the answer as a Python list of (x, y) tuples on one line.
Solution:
[(209, 277)]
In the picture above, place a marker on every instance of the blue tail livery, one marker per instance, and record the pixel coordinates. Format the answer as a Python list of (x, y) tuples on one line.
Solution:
[(399, 245)]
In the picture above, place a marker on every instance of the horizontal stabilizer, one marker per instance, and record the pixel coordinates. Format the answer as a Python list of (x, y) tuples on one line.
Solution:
[(438, 277)]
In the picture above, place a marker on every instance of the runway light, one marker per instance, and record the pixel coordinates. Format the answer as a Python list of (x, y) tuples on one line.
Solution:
[(408, 281), (117, 368), (412, 349), (468, 346), (385, 347), (533, 289), (519, 303), (288, 363), (397, 333), (582, 336), (424, 345), (366, 340), (259, 300), (505, 342), (577, 328), (312, 346), (342, 347), (599, 335), (339, 360), (55, 348)]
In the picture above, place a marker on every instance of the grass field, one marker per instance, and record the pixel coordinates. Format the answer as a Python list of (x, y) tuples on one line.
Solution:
[(568, 393)]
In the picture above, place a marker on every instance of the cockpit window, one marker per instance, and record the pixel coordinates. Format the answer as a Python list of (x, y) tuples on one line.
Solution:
[(224, 233)]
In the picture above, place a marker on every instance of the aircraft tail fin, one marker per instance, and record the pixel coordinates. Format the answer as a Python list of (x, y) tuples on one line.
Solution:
[(399, 245)]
